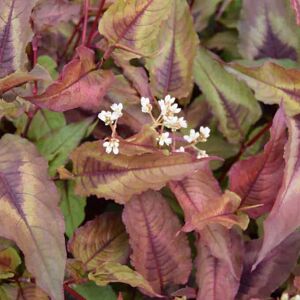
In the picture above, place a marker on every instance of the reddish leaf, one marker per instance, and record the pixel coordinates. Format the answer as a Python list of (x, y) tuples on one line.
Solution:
[(112, 176), (257, 179), (272, 271), (29, 212), (284, 216), (103, 239), (80, 85), (215, 281), (160, 255), (296, 6)]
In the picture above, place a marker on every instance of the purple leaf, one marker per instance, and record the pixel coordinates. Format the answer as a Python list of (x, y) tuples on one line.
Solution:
[(272, 271), (160, 254), (284, 216), (257, 179)]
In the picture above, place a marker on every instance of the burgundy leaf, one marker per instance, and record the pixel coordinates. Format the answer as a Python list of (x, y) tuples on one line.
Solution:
[(257, 179), (272, 271), (215, 281), (80, 85), (160, 254), (284, 216)]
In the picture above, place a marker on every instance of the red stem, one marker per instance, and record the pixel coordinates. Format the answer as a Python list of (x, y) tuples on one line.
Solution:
[(34, 45), (85, 20), (70, 40), (95, 23), (73, 293)]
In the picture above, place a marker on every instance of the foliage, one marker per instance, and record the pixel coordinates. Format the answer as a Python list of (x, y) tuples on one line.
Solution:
[(149, 149)]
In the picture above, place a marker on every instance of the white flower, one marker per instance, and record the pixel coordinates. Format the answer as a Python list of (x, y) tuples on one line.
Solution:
[(180, 149), (204, 133), (117, 111), (112, 146), (284, 296), (146, 106), (201, 154), (297, 297), (192, 137), (175, 123), (106, 117), (164, 139), (167, 107)]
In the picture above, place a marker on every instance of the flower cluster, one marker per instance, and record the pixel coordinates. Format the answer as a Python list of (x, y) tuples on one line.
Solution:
[(167, 123), (285, 296)]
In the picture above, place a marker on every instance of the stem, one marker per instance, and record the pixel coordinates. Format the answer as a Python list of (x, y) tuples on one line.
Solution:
[(73, 293), (85, 20), (95, 23), (34, 45), (70, 40)]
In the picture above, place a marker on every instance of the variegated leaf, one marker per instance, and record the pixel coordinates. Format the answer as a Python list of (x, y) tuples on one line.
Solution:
[(101, 240), (29, 212), (159, 254), (171, 68), (135, 24), (231, 101)]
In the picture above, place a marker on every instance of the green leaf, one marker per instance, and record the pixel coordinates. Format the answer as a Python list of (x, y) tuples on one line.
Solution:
[(72, 206), (91, 291), (9, 261), (231, 101), (50, 64), (56, 147), (45, 122)]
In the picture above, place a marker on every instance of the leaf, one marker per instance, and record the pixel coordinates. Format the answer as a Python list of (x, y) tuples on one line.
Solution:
[(284, 216), (171, 68), (14, 15), (90, 291), (112, 176), (80, 80), (72, 206), (257, 179), (11, 110), (214, 278), (32, 292), (114, 272), (28, 206), (49, 13), (45, 122), (231, 101), (159, 255), (272, 271), (268, 29), (9, 261), (296, 7), (201, 11), (272, 83), (101, 240), (56, 147), (49, 64), (203, 203), (222, 211), (134, 24), (195, 193)]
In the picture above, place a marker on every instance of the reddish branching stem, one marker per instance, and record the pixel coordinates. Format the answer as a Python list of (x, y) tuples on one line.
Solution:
[(73, 293), (95, 23)]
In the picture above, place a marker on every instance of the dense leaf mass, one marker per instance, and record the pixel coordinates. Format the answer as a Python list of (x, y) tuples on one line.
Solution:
[(149, 149)]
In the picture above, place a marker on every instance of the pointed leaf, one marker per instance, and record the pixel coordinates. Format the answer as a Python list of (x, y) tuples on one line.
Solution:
[(268, 29), (29, 203), (114, 272), (171, 69), (72, 206), (80, 85), (135, 24), (284, 216), (214, 278), (272, 271), (257, 179), (272, 83), (14, 15), (102, 240), (161, 256), (232, 102), (111, 176)]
